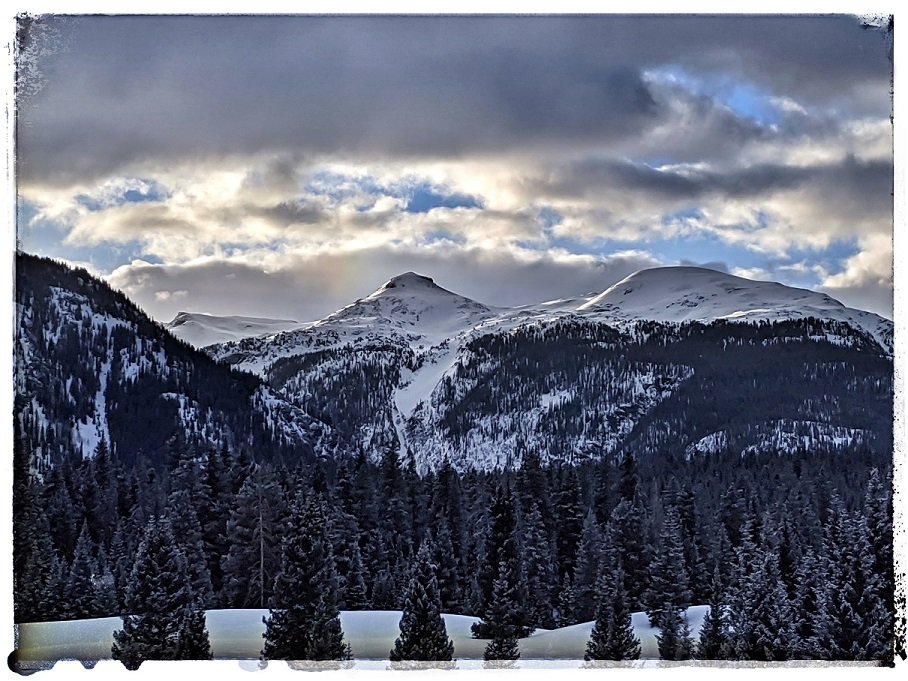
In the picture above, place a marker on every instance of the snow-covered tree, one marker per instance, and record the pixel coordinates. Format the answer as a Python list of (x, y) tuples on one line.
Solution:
[(612, 636), (674, 638), (165, 621), (502, 564), (540, 569), (713, 643), (423, 635), (304, 623), (586, 567), (500, 628), (668, 579)]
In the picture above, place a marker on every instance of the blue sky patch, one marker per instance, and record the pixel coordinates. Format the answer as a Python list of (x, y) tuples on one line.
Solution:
[(420, 196), (425, 197), (129, 191), (745, 99)]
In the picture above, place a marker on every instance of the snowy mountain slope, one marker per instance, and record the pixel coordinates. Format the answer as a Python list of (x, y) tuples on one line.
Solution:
[(91, 367), (409, 311), (573, 378), (200, 330), (683, 294)]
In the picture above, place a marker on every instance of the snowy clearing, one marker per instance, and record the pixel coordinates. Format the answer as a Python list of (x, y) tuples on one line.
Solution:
[(237, 635)]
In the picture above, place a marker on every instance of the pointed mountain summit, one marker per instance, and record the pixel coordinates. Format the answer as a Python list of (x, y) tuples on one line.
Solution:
[(413, 306)]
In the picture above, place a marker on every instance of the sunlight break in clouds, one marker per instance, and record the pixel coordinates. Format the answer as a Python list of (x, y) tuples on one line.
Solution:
[(296, 163)]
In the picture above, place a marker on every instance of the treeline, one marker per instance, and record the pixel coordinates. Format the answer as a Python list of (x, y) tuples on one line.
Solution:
[(794, 552)]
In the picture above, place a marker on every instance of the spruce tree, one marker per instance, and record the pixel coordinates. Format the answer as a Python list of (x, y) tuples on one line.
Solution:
[(423, 635), (541, 572), (860, 623), (668, 579), (305, 622), (627, 528), (612, 636), (79, 592), (502, 650), (586, 567), (165, 621), (761, 619), (674, 638), (251, 564), (355, 596), (502, 562), (713, 641)]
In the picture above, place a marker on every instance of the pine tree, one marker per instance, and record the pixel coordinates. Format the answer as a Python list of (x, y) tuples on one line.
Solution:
[(423, 635), (502, 562), (761, 619), (79, 592), (612, 636), (860, 624), (355, 596), (586, 568), (567, 604), (713, 642), (628, 533), (305, 624), (569, 520), (253, 559), (214, 511), (502, 650), (668, 572), (165, 622), (674, 638), (32, 544), (541, 573)]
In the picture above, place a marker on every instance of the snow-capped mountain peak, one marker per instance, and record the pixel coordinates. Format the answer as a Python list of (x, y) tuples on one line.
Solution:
[(413, 306), (696, 293), (200, 329), (687, 294), (407, 280)]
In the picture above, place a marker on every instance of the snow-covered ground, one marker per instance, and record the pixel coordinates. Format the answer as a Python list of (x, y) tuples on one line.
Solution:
[(237, 635)]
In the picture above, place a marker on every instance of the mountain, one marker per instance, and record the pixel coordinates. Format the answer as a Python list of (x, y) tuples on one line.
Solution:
[(681, 294), (90, 366), (200, 330), (677, 361)]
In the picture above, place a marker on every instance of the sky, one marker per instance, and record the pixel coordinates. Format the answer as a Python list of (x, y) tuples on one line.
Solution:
[(279, 166)]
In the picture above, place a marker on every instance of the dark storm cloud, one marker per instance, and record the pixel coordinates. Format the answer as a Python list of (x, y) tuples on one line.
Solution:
[(131, 89), (858, 187), (288, 213)]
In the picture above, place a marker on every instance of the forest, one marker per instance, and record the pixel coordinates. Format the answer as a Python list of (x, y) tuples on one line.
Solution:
[(792, 553)]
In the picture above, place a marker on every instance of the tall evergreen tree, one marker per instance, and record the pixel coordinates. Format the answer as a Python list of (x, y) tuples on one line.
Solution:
[(502, 562), (627, 528), (305, 622), (502, 649), (860, 623), (612, 636), (713, 643), (541, 573), (668, 581), (165, 620), (674, 639), (80, 591), (251, 564), (586, 567), (423, 635)]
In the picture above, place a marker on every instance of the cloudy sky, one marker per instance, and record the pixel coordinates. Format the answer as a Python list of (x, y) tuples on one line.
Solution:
[(285, 166)]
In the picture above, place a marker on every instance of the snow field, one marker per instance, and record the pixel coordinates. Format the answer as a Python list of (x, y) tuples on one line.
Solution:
[(237, 635)]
